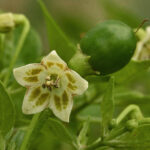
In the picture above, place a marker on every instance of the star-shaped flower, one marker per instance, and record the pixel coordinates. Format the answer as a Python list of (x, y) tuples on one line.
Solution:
[(50, 84)]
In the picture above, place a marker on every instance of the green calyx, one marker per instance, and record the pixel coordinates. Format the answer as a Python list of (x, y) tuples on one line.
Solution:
[(80, 63), (110, 44)]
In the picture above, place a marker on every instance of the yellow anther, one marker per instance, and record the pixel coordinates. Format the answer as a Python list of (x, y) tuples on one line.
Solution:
[(48, 78)]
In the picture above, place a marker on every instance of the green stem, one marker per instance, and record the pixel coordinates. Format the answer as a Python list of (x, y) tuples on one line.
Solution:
[(19, 19), (29, 132), (134, 109), (144, 121)]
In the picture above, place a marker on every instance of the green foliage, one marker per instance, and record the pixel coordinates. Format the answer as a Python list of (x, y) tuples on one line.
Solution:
[(57, 39), (59, 131), (7, 111), (130, 71), (83, 138), (137, 139), (114, 11), (107, 107), (32, 48)]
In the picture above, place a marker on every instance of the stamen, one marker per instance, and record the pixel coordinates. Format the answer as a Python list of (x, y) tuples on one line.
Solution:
[(48, 83), (51, 82), (48, 78)]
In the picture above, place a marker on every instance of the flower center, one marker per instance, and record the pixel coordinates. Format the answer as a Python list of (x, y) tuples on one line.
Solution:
[(52, 81)]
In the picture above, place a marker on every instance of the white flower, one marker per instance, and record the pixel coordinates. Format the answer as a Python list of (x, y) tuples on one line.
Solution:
[(142, 51), (50, 84)]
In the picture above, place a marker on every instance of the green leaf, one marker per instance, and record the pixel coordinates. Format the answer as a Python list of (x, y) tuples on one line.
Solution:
[(7, 111), (131, 70), (105, 148), (57, 39), (32, 48), (16, 140), (2, 143), (59, 131), (82, 138), (107, 106), (17, 98), (115, 11), (138, 139)]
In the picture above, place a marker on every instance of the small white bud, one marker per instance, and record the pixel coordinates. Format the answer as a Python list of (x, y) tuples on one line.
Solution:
[(6, 22)]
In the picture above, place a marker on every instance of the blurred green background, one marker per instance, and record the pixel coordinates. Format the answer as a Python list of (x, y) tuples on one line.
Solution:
[(76, 16)]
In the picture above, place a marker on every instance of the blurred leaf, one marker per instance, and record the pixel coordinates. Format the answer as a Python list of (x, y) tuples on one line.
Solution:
[(114, 11), (43, 118), (138, 139), (105, 148), (30, 52), (82, 138), (7, 112), (2, 142), (17, 99), (74, 26), (59, 131), (1, 49), (16, 140), (131, 70), (32, 48), (107, 106), (57, 39)]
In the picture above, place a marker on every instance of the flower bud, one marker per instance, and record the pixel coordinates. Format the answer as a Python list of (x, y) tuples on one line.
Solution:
[(6, 22)]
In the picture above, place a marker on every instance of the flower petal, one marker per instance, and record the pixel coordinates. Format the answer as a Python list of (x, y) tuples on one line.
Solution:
[(52, 59), (30, 75), (61, 105), (77, 85), (36, 99)]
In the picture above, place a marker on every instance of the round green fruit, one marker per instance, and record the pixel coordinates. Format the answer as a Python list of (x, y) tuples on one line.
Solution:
[(110, 44)]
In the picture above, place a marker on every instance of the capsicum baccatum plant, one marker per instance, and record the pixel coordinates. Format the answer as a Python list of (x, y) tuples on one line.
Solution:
[(50, 84)]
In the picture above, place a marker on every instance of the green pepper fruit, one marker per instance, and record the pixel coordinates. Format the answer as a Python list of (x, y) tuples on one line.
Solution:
[(110, 44)]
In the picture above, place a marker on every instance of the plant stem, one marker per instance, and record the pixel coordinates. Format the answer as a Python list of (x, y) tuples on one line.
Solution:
[(134, 109), (19, 19), (29, 131)]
